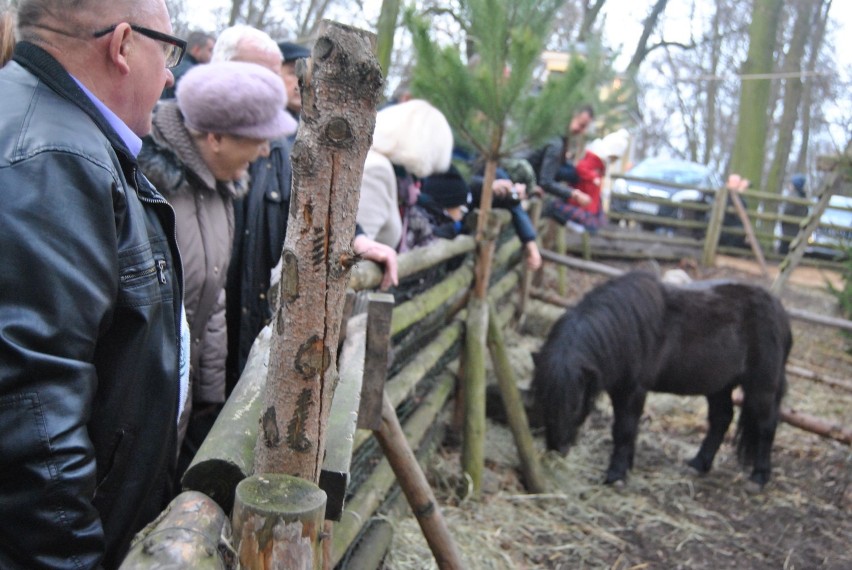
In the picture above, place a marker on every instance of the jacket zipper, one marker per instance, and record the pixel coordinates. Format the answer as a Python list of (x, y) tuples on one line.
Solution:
[(143, 273), (161, 266)]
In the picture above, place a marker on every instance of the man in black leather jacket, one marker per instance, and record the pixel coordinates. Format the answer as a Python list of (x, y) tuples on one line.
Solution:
[(90, 286)]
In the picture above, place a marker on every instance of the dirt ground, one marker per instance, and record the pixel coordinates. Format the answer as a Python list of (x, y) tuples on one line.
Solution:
[(665, 516)]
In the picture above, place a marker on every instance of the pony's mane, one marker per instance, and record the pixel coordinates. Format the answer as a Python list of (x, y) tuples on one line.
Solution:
[(624, 313)]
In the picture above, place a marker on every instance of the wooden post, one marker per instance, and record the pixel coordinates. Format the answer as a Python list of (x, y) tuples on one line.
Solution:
[(714, 227), (561, 247), (379, 313), (340, 86), (416, 488), (752, 239), (514, 408), (526, 284), (278, 523), (473, 446)]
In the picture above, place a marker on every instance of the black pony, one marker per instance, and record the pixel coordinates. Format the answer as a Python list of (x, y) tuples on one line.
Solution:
[(635, 334)]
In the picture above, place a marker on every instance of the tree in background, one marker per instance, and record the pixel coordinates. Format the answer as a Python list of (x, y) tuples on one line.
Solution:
[(490, 101), (804, 13), (749, 153)]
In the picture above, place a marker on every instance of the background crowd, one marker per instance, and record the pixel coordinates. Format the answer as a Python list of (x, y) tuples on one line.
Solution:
[(147, 196)]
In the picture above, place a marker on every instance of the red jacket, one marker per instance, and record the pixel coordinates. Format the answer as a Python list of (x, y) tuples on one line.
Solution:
[(590, 170)]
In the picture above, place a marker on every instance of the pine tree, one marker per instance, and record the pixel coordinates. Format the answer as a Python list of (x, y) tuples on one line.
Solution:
[(493, 106)]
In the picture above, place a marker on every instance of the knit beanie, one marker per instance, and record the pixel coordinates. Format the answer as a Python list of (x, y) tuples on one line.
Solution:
[(447, 189), (235, 98)]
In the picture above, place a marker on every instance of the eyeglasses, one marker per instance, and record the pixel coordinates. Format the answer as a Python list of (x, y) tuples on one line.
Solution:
[(174, 48)]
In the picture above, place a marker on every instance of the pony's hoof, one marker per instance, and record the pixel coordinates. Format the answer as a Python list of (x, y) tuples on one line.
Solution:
[(753, 487), (615, 479), (698, 466)]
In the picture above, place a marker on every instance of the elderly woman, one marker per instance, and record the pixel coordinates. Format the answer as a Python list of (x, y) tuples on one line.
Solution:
[(411, 141), (198, 155)]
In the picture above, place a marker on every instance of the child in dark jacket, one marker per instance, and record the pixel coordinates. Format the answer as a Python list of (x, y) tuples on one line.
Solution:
[(445, 200)]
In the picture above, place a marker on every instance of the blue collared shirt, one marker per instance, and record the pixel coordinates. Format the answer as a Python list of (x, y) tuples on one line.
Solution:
[(133, 142)]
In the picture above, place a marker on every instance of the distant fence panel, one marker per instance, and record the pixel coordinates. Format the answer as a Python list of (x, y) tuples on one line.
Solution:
[(668, 223)]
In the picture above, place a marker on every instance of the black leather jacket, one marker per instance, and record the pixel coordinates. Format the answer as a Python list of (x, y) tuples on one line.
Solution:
[(546, 162), (260, 225), (90, 289)]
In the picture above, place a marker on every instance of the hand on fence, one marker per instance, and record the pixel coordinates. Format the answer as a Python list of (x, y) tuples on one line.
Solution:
[(532, 255), (737, 183), (381, 254)]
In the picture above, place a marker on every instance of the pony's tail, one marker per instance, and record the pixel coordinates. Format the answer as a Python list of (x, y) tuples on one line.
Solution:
[(758, 422)]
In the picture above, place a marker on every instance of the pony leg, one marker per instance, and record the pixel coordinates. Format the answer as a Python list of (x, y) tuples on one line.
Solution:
[(720, 412), (625, 428), (756, 432)]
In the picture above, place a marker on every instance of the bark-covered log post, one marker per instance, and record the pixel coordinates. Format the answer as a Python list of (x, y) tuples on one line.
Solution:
[(340, 86), (186, 535), (515, 412), (476, 330), (278, 523)]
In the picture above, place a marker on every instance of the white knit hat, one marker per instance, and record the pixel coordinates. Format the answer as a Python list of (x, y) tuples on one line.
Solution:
[(614, 144), (414, 135)]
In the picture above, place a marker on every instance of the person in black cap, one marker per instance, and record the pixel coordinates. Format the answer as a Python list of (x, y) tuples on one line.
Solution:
[(791, 229), (291, 53), (440, 209)]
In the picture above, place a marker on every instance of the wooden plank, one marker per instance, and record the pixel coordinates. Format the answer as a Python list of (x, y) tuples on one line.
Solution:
[(379, 316)]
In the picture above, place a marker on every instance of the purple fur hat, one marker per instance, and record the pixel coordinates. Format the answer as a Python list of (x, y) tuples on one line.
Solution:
[(235, 98)]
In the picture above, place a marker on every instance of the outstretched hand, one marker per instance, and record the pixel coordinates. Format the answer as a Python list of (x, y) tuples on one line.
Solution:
[(737, 183), (381, 254)]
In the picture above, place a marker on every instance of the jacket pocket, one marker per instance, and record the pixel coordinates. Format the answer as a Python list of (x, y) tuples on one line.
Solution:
[(24, 445), (143, 278), (112, 462)]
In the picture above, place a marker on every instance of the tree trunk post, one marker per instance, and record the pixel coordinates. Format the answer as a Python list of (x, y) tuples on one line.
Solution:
[(473, 446), (514, 408), (278, 523), (340, 87)]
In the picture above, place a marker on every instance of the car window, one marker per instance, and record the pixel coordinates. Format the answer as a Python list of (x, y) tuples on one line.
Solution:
[(677, 172)]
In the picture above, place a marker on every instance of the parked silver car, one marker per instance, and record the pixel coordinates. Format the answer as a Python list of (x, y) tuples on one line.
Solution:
[(665, 178), (833, 237)]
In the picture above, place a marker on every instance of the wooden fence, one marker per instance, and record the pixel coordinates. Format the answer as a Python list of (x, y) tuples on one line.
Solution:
[(683, 233), (426, 331)]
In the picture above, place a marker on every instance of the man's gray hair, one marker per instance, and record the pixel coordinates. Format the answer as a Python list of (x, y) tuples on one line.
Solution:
[(197, 39), (85, 13), (228, 43)]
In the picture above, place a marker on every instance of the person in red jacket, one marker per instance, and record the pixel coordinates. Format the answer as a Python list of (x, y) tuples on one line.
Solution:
[(584, 210)]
